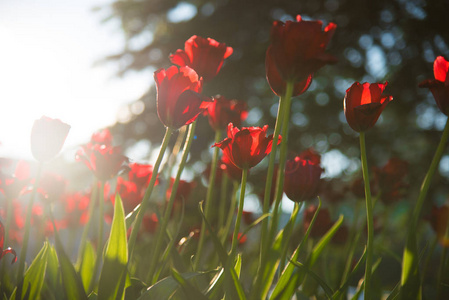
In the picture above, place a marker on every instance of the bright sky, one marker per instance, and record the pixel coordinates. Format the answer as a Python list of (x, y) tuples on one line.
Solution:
[(47, 52)]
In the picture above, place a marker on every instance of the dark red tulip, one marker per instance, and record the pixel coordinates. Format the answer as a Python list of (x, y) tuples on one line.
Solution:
[(76, 209), (105, 162), (439, 222), (140, 174), (364, 103), (129, 192), (223, 111), (440, 85), (179, 101), (150, 222), (205, 56), (297, 50), (234, 172), (47, 137), (3, 252), (302, 176), (246, 147), (183, 191), (278, 85), (391, 180), (13, 186), (322, 222)]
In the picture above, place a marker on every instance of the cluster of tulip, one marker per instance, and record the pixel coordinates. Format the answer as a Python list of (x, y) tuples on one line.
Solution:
[(150, 253)]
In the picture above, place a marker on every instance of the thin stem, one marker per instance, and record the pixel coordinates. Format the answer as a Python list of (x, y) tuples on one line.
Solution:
[(369, 218), (26, 236), (144, 205), (284, 119), (207, 209), (99, 236), (87, 227), (230, 212), (164, 222), (428, 179), (270, 171), (235, 239), (223, 200), (288, 232)]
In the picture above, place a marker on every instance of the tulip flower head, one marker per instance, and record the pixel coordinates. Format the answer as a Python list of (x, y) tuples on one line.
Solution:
[(47, 137), (7, 250), (246, 147), (297, 50), (223, 111), (302, 176), (205, 56), (364, 103), (440, 85), (179, 101)]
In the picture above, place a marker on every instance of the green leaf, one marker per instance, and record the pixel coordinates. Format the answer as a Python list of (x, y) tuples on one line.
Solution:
[(233, 287), (358, 266), (51, 287), (168, 286), (188, 289), (317, 278), (238, 265), (34, 277), (73, 286), (289, 280), (112, 278), (251, 226), (324, 241), (87, 265)]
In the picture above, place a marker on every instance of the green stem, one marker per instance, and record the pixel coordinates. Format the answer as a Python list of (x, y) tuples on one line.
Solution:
[(164, 222), (100, 235), (270, 171), (285, 103), (9, 214), (235, 239), (87, 227), (428, 179), (26, 236), (145, 201), (223, 200), (230, 212), (441, 272), (410, 270), (288, 232), (369, 218), (208, 205)]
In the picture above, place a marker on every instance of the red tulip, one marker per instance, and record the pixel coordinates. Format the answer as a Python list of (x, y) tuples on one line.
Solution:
[(179, 101), (278, 85), (234, 172), (302, 176), (322, 222), (439, 221), (52, 186), (13, 186), (47, 137), (440, 85), (105, 162), (76, 209), (205, 56), (102, 137), (247, 147), (391, 180), (7, 250), (297, 51), (364, 103), (140, 174), (223, 111)]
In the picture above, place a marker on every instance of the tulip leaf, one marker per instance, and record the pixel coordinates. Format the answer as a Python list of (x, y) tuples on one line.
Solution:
[(51, 286), (351, 275), (189, 290), (289, 280), (234, 288), (112, 277), (73, 286), (87, 264), (167, 287), (317, 278), (34, 277)]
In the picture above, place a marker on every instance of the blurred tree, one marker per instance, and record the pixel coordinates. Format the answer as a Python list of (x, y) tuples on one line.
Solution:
[(375, 41)]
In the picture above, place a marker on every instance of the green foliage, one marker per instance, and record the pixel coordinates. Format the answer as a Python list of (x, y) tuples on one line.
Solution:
[(113, 274)]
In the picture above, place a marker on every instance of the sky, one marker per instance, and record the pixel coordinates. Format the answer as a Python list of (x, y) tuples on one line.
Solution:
[(47, 56)]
